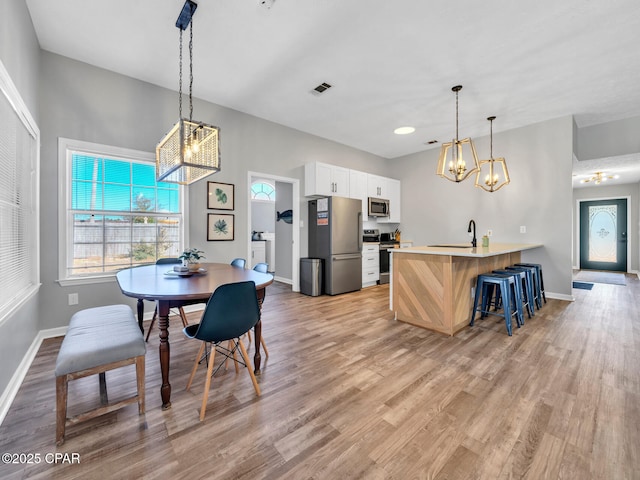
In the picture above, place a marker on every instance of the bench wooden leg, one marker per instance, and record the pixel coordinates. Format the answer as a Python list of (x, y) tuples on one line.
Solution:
[(62, 383), (140, 380), (61, 407), (104, 398)]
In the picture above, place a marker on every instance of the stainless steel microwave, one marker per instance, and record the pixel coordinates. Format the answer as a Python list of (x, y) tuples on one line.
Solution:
[(378, 207)]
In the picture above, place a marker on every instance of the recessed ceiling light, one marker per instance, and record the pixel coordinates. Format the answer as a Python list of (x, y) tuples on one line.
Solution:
[(404, 130)]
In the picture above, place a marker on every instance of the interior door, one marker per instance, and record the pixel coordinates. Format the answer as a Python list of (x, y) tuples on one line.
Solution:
[(603, 235)]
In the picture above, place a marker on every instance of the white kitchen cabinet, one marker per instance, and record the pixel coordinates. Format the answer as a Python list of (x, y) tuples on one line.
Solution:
[(325, 180), (393, 195), (258, 253), (370, 264), (377, 186), (358, 189)]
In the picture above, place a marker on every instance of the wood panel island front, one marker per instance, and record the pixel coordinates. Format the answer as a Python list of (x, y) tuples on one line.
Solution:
[(432, 286)]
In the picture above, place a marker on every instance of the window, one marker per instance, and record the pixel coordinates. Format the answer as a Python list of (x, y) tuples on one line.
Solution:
[(19, 199), (116, 214), (261, 190)]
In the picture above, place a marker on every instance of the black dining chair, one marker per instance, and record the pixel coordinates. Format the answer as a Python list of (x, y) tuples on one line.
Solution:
[(238, 262), (183, 315), (231, 312)]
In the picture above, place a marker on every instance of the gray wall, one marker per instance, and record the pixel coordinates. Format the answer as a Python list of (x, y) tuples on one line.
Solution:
[(20, 55), (284, 232), (83, 102), (631, 190), (263, 216), (609, 139), (539, 158)]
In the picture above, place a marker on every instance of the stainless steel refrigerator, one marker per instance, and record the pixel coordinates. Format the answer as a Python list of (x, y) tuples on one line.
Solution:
[(335, 236)]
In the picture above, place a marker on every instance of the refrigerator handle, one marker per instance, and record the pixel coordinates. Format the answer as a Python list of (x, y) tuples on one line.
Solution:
[(360, 232)]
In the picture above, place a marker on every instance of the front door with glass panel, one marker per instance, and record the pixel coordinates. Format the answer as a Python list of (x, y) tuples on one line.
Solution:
[(603, 235)]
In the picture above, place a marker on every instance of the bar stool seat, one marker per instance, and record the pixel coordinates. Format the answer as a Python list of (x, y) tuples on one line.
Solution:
[(509, 293), (520, 277), (538, 267)]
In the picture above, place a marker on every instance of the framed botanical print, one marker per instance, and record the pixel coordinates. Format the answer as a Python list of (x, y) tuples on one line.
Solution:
[(220, 196), (220, 226)]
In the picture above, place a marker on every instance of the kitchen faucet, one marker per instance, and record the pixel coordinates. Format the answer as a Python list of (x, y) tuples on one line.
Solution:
[(473, 242)]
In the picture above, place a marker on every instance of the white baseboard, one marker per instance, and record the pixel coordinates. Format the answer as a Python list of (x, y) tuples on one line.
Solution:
[(560, 296), (288, 281), (11, 391)]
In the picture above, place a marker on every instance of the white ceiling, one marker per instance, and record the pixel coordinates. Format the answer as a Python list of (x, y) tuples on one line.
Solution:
[(391, 63)]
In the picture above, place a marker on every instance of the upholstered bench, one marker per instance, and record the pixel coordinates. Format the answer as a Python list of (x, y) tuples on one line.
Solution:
[(98, 339)]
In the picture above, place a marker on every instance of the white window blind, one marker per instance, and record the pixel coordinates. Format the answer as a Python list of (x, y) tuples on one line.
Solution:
[(19, 162)]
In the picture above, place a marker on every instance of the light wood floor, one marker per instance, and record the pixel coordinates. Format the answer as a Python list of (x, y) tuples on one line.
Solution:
[(350, 393)]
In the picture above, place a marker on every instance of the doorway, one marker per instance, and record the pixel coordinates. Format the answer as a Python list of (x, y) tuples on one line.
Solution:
[(603, 235), (292, 262)]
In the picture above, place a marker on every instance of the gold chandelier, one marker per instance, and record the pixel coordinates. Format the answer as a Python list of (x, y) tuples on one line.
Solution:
[(599, 177), (494, 179), (189, 151), (456, 168)]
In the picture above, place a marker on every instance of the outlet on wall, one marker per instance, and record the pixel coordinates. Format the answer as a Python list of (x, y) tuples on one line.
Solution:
[(523, 229), (73, 299), (489, 232)]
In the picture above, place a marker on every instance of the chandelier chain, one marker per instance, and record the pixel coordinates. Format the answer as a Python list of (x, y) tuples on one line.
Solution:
[(180, 77), (457, 136), (491, 136), (191, 70)]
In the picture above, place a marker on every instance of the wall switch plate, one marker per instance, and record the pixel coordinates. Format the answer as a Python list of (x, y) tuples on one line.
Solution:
[(73, 299), (523, 229), (489, 232)]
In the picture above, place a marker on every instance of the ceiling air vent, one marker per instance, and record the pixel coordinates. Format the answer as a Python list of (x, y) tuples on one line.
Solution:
[(323, 87)]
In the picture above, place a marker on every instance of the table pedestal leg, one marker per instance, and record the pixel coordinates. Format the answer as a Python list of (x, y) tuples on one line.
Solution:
[(163, 324), (257, 333), (140, 314)]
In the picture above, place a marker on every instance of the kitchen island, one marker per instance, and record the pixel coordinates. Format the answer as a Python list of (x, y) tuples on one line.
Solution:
[(432, 286)]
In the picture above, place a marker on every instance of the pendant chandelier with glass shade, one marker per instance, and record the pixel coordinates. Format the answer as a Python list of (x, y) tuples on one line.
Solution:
[(493, 173), (190, 150), (454, 168)]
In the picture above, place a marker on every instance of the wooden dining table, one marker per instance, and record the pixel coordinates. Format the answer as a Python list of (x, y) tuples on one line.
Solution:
[(157, 283)]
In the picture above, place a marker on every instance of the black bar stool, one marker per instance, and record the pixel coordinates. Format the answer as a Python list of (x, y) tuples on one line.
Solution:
[(522, 285), (538, 268), (509, 293)]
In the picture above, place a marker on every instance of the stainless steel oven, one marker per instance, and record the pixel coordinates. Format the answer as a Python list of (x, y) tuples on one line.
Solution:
[(386, 244)]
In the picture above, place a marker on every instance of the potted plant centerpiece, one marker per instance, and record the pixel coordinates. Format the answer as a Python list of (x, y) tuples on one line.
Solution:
[(191, 259)]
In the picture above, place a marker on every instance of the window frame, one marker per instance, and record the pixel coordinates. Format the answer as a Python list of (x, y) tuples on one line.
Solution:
[(10, 305), (263, 200), (66, 148)]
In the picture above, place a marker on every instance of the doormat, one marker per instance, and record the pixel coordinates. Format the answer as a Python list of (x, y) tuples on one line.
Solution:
[(583, 285), (595, 276)]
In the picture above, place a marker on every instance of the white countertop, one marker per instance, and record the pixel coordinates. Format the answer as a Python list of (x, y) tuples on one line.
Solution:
[(453, 249)]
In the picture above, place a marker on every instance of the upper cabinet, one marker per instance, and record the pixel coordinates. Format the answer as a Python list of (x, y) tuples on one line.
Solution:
[(377, 186), (392, 193), (322, 179), (325, 180), (358, 189)]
